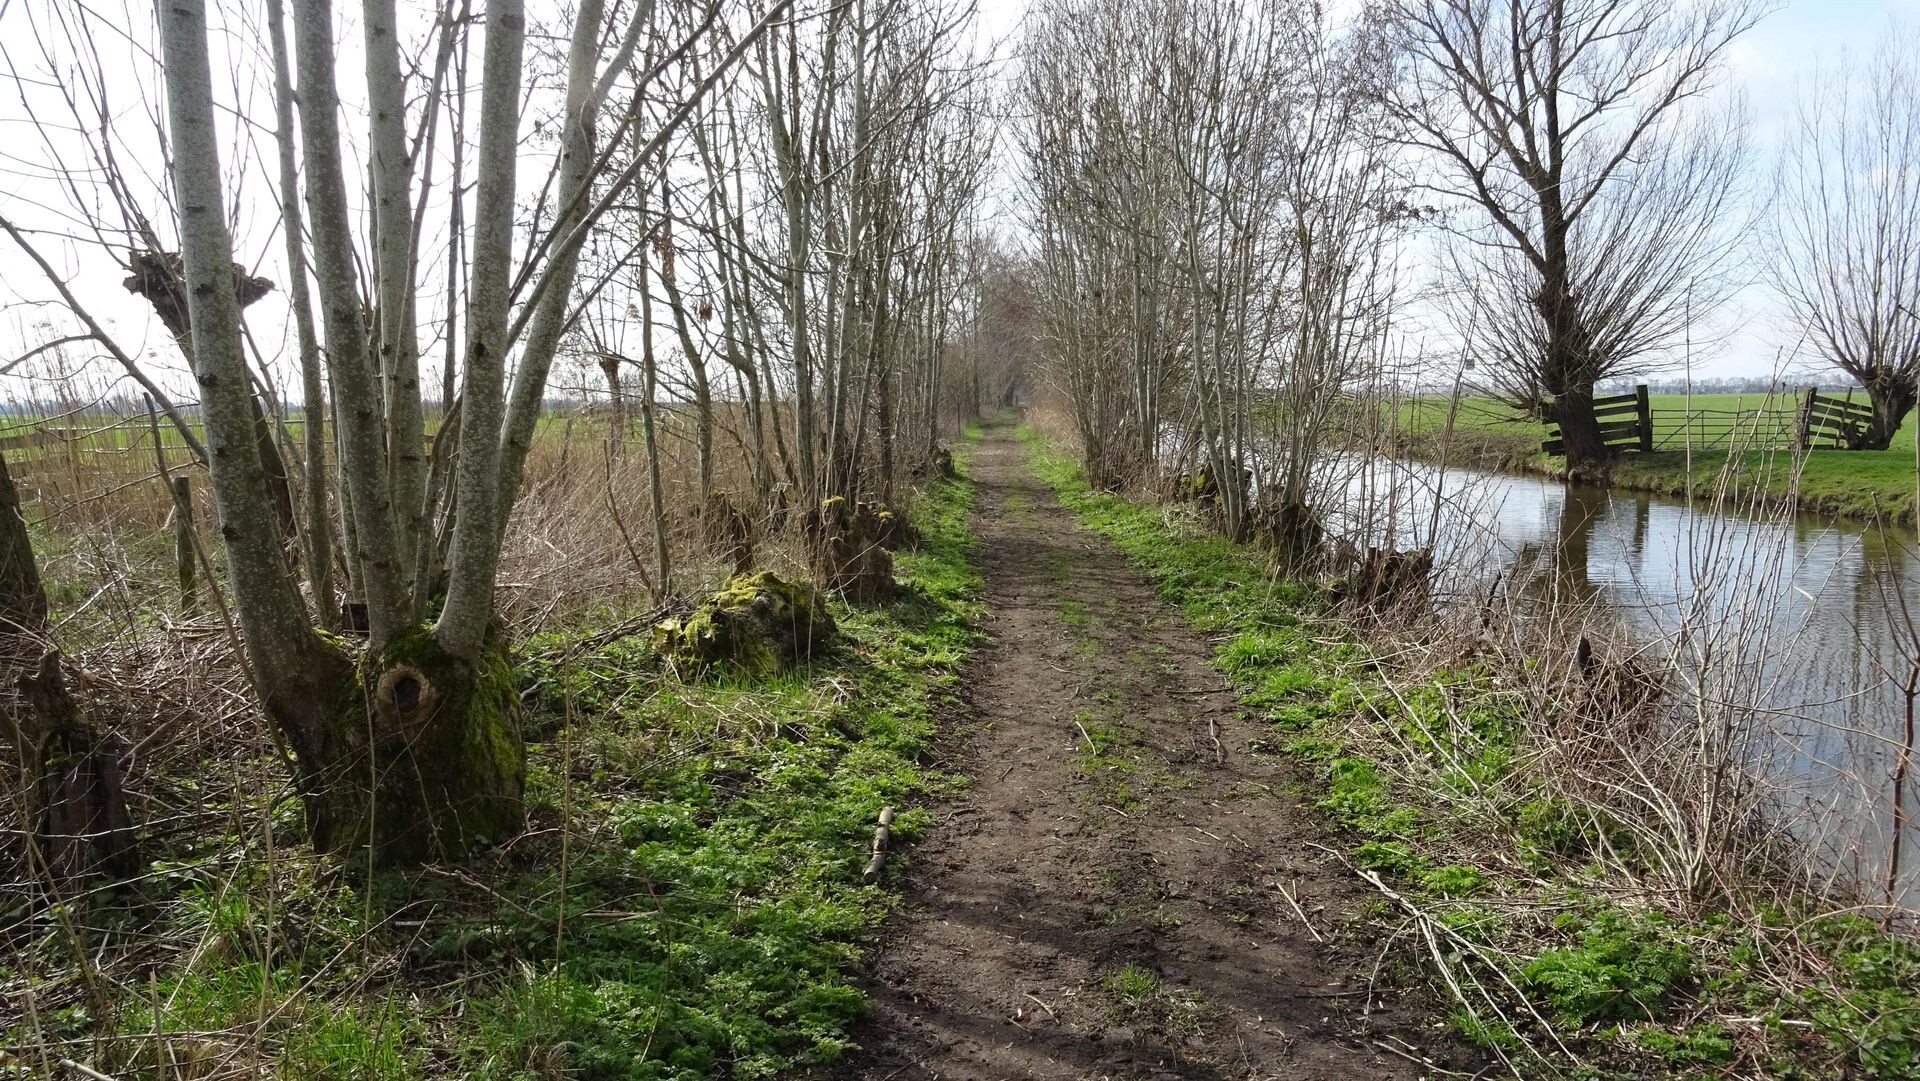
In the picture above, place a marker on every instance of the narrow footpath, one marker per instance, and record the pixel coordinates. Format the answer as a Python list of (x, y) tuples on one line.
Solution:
[(1129, 887)]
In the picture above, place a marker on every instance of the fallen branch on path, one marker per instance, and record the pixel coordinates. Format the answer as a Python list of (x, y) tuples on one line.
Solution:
[(882, 833)]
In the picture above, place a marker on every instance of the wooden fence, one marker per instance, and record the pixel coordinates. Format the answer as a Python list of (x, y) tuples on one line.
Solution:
[(1812, 421), (1830, 423), (1626, 423)]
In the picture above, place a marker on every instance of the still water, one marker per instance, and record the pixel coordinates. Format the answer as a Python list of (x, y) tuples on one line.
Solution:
[(1806, 625)]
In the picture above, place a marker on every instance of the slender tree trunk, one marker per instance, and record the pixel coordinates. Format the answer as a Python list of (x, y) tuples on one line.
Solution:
[(697, 368), (318, 534), (359, 416), (398, 346), (650, 382), (616, 402), (886, 438)]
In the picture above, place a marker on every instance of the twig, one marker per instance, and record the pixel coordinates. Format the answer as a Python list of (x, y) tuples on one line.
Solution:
[(1420, 1059), (1298, 911)]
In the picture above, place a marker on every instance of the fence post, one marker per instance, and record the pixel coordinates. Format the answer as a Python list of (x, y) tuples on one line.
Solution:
[(183, 553), (1803, 431), (1645, 416)]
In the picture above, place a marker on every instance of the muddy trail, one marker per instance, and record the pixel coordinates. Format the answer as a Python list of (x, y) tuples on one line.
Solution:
[(1127, 889)]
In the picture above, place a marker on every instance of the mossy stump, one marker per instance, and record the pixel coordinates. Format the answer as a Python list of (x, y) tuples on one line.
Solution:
[(885, 526), (758, 624), (846, 557), (1203, 487)]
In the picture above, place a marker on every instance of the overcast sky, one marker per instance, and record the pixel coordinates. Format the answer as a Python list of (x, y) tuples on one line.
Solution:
[(1769, 67)]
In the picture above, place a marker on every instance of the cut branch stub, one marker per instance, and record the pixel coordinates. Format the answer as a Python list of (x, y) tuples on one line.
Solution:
[(756, 623)]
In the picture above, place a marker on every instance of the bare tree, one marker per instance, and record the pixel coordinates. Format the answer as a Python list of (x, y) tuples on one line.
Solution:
[(1848, 227), (1101, 177), (410, 749), (1212, 208), (1595, 183)]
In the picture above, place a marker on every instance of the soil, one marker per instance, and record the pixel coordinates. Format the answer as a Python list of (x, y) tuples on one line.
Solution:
[(1110, 897)]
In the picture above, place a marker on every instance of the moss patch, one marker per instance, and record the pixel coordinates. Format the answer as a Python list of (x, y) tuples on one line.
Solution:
[(755, 624)]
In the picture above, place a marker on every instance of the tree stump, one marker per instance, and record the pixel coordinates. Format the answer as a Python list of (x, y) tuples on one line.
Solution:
[(1291, 533), (845, 557), (80, 810), (885, 526), (1387, 580), (756, 623)]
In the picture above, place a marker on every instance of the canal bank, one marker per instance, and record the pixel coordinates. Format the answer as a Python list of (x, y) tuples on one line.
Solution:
[(1535, 842)]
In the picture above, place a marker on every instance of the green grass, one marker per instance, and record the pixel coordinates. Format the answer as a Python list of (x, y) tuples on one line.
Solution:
[(1634, 988), (687, 902), (1866, 485)]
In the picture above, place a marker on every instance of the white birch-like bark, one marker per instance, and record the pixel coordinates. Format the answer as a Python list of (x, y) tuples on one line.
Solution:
[(272, 616), (379, 563), (473, 555)]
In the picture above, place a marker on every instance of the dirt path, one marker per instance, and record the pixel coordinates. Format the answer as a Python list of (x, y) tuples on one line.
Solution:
[(1119, 914)]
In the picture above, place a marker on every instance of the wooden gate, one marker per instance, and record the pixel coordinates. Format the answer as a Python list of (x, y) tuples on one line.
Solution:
[(1626, 423), (1831, 423)]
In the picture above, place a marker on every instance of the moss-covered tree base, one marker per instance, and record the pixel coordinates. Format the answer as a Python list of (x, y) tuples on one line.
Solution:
[(433, 763), (756, 623)]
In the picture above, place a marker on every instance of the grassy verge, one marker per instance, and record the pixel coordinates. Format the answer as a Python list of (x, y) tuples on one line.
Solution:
[(686, 902), (1567, 963), (1866, 485)]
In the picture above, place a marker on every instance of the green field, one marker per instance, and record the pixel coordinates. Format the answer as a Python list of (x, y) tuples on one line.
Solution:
[(1693, 434)]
